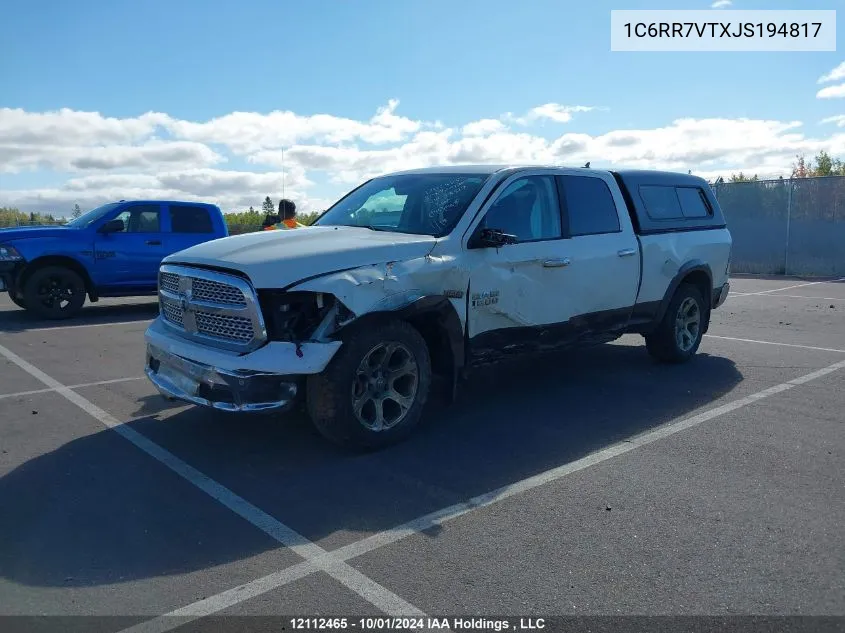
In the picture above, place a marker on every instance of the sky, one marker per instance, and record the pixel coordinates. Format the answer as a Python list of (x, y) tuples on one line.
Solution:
[(229, 102)]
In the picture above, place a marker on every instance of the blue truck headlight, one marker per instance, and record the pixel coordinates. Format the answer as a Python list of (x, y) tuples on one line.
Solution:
[(9, 254)]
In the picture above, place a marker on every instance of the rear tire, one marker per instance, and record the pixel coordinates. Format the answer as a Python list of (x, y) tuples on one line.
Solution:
[(678, 336), (373, 392), (54, 292)]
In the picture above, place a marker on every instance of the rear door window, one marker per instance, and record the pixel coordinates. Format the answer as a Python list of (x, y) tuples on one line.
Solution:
[(190, 219), (589, 205)]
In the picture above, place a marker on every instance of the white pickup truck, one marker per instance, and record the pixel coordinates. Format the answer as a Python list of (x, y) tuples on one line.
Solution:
[(431, 272)]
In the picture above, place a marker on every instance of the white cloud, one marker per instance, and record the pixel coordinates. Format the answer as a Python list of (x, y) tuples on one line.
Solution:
[(247, 132), (150, 156), (832, 92), (700, 144), (483, 127), (351, 164), (72, 128), (838, 120), (834, 75), (68, 140), (96, 158), (548, 111), (231, 190), (721, 4)]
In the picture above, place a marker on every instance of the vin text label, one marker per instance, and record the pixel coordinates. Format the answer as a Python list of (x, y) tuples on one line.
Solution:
[(721, 31)]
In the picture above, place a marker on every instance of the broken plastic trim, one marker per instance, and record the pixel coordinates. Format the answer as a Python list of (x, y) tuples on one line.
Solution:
[(293, 316)]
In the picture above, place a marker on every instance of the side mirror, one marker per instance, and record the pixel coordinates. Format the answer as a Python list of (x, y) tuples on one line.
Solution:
[(113, 226), (492, 238)]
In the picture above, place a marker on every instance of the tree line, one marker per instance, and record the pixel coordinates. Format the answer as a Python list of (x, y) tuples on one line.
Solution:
[(10, 216), (820, 166), (809, 194)]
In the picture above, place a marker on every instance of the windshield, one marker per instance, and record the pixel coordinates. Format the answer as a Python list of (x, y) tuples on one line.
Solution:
[(93, 215), (423, 204)]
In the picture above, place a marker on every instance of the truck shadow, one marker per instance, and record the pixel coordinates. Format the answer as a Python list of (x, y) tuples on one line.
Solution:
[(106, 311), (96, 511)]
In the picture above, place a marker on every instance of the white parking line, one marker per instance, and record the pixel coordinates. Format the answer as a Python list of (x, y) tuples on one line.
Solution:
[(811, 283), (749, 340), (752, 294), (74, 327), (79, 386), (365, 587), (223, 600)]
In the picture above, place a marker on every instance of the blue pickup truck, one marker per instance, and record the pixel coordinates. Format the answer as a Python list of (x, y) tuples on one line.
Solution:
[(111, 251)]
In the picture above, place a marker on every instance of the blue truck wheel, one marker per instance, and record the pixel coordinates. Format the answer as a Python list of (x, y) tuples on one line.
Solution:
[(54, 292)]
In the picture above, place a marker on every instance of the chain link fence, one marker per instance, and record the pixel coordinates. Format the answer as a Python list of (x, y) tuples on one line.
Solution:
[(786, 226)]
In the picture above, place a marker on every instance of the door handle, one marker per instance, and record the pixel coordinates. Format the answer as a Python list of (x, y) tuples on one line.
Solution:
[(627, 252), (557, 263), (153, 242)]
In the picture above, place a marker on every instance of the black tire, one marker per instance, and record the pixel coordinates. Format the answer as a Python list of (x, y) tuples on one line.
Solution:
[(330, 395), (665, 343), (14, 299), (54, 292)]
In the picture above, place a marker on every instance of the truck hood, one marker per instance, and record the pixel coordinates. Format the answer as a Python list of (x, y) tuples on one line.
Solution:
[(275, 259), (22, 233)]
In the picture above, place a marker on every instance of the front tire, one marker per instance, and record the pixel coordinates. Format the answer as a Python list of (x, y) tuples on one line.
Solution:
[(678, 336), (373, 392), (54, 292)]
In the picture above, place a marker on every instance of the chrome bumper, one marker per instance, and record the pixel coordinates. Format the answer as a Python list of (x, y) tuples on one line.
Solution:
[(223, 389)]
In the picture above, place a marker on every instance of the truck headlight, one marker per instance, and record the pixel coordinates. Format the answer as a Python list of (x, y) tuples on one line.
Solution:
[(293, 316), (9, 254)]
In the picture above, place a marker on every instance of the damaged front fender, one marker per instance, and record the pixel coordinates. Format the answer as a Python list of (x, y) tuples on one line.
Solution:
[(428, 292), (392, 286)]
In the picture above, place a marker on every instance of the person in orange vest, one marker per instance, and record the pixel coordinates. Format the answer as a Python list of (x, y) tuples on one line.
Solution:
[(287, 211)]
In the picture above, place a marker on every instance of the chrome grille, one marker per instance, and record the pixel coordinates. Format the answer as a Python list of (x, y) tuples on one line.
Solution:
[(213, 308), (172, 311), (225, 327), (169, 282), (216, 292)]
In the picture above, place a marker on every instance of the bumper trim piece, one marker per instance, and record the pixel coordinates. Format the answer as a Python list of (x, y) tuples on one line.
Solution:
[(720, 295), (226, 390)]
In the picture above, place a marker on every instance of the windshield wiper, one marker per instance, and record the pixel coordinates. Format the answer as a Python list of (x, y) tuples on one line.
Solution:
[(381, 227)]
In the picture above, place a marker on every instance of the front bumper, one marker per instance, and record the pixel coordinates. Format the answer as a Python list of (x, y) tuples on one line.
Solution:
[(9, 272), (183, 379), (720, 295), (269, 378)]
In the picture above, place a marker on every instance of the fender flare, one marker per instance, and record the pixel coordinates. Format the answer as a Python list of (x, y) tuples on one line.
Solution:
[(447, 319), (437, 307), (58, 260), (694, 265)]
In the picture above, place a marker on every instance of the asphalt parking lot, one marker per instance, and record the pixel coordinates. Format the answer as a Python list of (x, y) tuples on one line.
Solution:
[(594, 482)]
